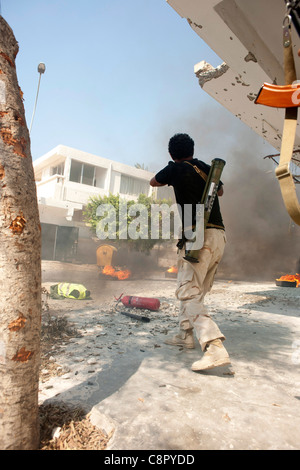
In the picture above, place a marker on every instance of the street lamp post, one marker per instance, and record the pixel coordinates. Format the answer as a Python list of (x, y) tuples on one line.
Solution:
[(41, 69)]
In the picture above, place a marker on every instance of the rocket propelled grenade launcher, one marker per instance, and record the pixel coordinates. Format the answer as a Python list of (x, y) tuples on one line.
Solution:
[(208, 198)]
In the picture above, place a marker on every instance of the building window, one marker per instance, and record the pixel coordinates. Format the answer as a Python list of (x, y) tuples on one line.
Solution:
[(58, 169), (88, 175), (75, 173), (82, 173), (133, 186)]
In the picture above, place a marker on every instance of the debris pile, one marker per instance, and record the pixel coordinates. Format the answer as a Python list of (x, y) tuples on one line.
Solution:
[(63, 427)]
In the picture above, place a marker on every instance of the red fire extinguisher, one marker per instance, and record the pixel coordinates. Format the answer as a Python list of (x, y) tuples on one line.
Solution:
[(140, 302)]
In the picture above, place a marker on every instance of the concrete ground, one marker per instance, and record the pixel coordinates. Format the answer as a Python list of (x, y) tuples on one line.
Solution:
[(144, 391)]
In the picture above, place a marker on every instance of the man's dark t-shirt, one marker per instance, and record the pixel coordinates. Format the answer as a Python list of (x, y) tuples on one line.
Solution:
[(189, 186)]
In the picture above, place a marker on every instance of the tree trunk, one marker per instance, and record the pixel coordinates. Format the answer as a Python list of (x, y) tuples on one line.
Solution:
[(20, 264)]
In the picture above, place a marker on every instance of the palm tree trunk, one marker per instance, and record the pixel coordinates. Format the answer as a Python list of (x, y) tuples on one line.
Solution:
[(20, 264)]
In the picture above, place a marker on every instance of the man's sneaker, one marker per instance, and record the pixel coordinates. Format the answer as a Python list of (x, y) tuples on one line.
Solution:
[(184, 338), (214, 356)]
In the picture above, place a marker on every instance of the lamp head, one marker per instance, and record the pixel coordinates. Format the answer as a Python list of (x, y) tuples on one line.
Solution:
[(41, 67)]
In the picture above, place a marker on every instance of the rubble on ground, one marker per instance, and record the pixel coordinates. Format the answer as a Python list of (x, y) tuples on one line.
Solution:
[(90, 340)]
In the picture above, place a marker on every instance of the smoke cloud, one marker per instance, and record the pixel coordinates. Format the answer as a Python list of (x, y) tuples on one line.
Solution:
[(262, 241)]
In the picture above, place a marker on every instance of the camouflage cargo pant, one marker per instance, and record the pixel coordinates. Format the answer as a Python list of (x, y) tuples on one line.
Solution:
[(194, 281)]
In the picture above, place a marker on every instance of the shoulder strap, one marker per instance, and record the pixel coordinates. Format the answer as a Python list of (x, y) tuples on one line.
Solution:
[(200, 172), (283, 173)]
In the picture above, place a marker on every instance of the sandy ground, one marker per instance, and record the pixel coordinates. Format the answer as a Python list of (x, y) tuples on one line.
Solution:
[(143, 392)]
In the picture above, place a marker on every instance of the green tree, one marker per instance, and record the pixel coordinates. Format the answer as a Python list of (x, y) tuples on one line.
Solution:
[(132, 227)]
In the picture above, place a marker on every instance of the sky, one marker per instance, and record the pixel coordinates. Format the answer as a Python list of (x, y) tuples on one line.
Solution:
[(119, 79)]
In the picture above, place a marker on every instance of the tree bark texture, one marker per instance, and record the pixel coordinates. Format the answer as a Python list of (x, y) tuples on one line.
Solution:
[(20, 264)]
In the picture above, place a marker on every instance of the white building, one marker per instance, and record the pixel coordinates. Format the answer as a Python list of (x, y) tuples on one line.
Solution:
[(66, 178)]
